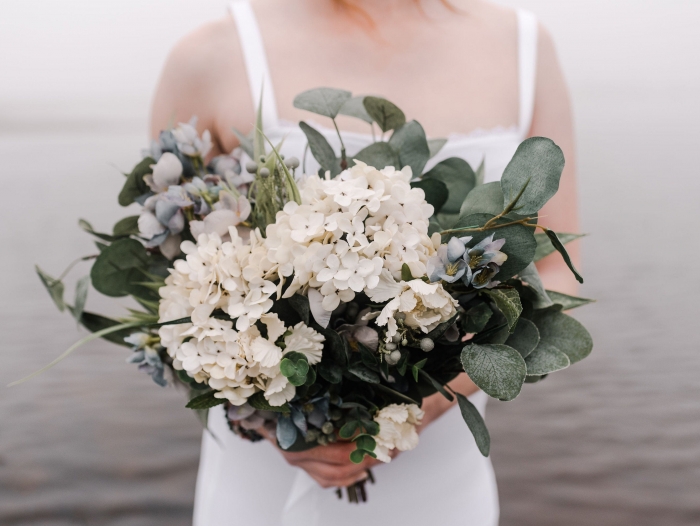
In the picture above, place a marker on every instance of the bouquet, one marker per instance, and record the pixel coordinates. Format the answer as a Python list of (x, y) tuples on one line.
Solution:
[(326, 306)]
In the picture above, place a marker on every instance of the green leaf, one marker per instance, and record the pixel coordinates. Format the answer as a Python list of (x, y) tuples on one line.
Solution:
[(119, 267), (349, 429), (436, 192), (539, 161), (54, 286), (535, 379), (476, 318), (435, 145), (81, 292), (379, 155), (322, 101), (476, 424), (410, 141), (205, 401), (563, 332), (519, 247), (415, 368), (402, 397), (483, 199), (365, 442), (362, 372), (532, 277), (406, 273), (497, 369), (258, 134), (546, 359), (259, 402), (321, 149), (508, 302), (481, 173), (436, 385), (357, 456), (129, 226), (545, 247), (386, 114), (525, 337), (301, 306), (135, 186), (246, 143), (560, 248), (94, 323), (354, 107), (459, 178), (331, 372), (82, 223), (295, 366), (568, 302)]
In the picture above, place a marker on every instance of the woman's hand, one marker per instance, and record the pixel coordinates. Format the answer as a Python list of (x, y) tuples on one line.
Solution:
[(436, 404)]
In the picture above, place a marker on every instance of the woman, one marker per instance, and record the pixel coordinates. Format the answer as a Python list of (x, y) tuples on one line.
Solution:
[(484, 76)]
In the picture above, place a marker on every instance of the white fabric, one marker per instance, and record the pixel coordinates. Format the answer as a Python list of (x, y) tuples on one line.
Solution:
[(445, 480)]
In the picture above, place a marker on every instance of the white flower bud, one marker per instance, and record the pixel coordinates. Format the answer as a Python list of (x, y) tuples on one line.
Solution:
[(427, 345)]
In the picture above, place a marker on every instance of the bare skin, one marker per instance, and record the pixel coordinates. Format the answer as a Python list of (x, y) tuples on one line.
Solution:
[(454, 72)]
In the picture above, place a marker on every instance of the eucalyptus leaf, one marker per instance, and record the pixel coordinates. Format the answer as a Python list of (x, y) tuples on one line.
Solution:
[(564, 254), (481, 172), (379, 155), (205, 401), (545, 359), (365, 442), (355, 107), (476, 424), (54, 286), (259, 402), (85, 225), (81, 292), (497, 369), (568, 302), (95, 323), (301, 306), (476, 318), (524, 338), (436, 385), (537, 163), (286, 432), (410, 141), (436, 192), (532, 277), (545, 247), (435, 145), (362, 372), (245, 142), (322, 101), (129, 226), (386, 114), (563, 332), (508, 302), (321, 149), (135, 186), (459, 178), (119, 267), (519, 247)]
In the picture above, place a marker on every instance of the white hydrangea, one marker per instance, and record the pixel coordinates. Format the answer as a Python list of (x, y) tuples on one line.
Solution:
[(397, 429), (347, 230), (423, 305)]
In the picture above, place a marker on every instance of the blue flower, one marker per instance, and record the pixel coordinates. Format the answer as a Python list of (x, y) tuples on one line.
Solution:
[(449, 264), (486, 251), (146, 357), (482, 277)]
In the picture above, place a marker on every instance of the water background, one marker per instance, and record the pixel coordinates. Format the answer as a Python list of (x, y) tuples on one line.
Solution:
[(613, 441)]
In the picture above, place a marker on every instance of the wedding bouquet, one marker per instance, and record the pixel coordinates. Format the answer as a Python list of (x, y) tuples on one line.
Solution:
[(326, 306)]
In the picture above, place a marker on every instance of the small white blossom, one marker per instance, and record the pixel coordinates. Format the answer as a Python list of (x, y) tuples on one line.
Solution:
[(397, 429)]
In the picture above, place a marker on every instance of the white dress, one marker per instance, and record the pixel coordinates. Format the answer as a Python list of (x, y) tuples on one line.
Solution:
[(445, 480)]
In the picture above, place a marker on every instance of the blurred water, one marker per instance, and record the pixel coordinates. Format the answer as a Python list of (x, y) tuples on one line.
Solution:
[(613, 441)]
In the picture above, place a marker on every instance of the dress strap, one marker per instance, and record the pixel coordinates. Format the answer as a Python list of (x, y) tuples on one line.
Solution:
[(255, 60), (527, 65)]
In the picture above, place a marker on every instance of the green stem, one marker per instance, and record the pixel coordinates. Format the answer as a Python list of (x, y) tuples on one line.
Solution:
[(343, 158), (523, 222)]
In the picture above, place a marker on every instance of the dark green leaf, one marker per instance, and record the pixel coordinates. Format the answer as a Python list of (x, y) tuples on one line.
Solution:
[(129, 226), (519, 247), (321, 149), (410, 141), (403, 398), (81, 292), (406, 273), (349, 429), (386, 114), (497, 369), (259, 402), (435, 145), (508, 302), (546, 359), (363, 373), (94, 323), (563, 332), (568, 302), (322, 101), (379, 155), (357, 456), (535, 379), (119, 268), (365, 442), (539, 161), (301, 306), (436, 385), (330, 372), (525, 337), (82, 223), (436, 192), (54, 286), (135, 186), (205, 401), (476, 318), (476, 424), (459, 178), (532, 277), (370, 427), (354, 107), (564, 254), (545, 247), (295, 366)]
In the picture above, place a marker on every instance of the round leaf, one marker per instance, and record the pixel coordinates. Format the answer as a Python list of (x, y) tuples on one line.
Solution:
[(354, 107), (525, 337), (378, 154), (435, 192), (321, 149), (563, 332), (322, 101), (386, 114), (537, 163), (119, 267), (410, 141), (546, 359), (459, 178), (497, 369)]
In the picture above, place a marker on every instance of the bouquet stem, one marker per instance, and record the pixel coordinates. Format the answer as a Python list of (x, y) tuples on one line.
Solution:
[(357, 492)]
